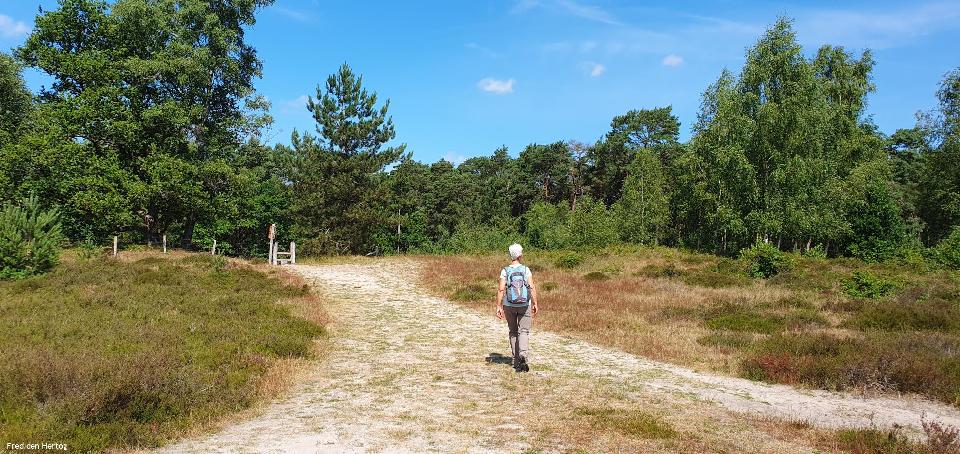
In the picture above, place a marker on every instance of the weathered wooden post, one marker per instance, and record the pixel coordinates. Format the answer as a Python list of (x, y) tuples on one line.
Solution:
[(164, 244), (114, 245), (213, 250), (293, 253), (271, 248)]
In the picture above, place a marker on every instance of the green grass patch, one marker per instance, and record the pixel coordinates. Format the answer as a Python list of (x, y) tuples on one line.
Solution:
[(103, 354), (634, 423), (730, 340), (473, 292), (595, 276), (733, 316), (550, 286)]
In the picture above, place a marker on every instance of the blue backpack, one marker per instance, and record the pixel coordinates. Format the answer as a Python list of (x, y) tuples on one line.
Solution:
[(518, 289)]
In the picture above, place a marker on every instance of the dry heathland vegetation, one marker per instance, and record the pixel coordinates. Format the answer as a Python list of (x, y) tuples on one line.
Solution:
[(837, 324), (110, 353)]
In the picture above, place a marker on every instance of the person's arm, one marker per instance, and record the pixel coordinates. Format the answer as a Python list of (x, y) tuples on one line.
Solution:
[(501, 287), (533, 295)]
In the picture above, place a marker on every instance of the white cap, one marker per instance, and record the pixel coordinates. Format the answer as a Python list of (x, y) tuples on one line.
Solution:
[(516, 251)]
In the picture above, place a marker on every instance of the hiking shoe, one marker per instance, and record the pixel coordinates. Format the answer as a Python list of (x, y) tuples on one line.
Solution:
[(522, 365)]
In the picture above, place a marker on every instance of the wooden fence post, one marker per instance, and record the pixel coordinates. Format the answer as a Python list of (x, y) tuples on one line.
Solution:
[(213, 250), (293, 253), (164, 244), (114, 245)]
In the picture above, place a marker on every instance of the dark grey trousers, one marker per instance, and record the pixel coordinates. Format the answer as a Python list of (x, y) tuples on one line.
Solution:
[(519, 320)]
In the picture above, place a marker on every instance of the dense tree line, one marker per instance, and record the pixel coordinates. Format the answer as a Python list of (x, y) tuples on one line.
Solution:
[(152, 127)]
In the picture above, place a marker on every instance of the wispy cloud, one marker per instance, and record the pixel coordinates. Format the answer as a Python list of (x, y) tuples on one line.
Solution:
[(10, 28), (890, 28), (297, 105), (297, 15), (483, 50), (593, 69), (571, 7), (672, 60), (588, 12), (454, 158), (716, 25), (496, 86)]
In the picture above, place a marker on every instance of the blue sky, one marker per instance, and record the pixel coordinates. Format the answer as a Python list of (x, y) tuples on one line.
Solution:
[(467, 77)]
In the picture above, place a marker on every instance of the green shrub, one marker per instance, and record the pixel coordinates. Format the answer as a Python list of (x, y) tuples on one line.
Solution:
[(595, 276), (764, 260), (87, 249), (668, 271), (741, 317), (947, 253), (546, 225), (219, 263), (816, 252), (30, 239), (569, 260), (591, 225), (863, 284), (473, 292), (479, 238), (548, 286)]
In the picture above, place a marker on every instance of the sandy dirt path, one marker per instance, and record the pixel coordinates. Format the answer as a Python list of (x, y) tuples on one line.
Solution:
[(407, 372)]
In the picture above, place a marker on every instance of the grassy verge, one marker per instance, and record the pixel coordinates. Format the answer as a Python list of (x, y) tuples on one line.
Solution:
[(834, 324), (105, 353)]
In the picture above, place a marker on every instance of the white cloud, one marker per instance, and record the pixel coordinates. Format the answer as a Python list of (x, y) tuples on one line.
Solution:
[(593, 69), (299, 101), (483, 50), (500, 87), (877, 29), (299, 16), (296, 105), (454, 158), (10, 28), (524, 5), (588, 12), (672, 60), (571, 7)]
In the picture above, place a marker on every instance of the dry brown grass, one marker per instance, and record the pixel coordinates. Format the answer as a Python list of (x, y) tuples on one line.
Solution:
[(625, 311)]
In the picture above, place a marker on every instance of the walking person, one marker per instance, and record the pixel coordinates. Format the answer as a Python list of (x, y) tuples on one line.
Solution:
[(517, 303)]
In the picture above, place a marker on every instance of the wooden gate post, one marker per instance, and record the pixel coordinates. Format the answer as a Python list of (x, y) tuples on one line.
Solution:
[(114, 245), (213, 250), (293, 253), (164, 244)]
